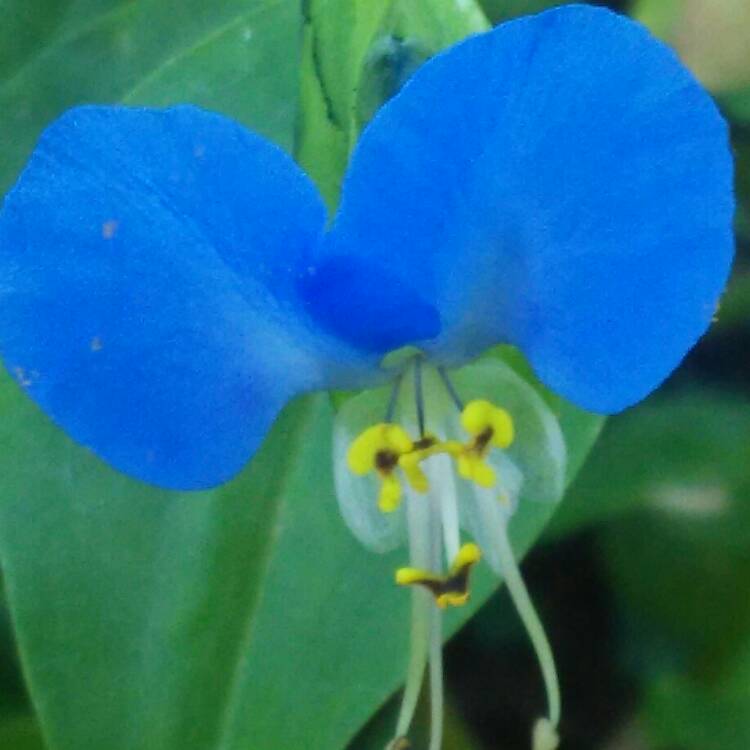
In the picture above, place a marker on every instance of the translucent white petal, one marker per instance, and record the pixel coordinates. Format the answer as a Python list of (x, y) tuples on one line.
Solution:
[(532, 468), (485, 516), (538, 449), (358, 496)]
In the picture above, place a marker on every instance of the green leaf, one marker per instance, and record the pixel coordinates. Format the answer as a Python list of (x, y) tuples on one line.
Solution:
[(334, 30), (692, 446), (20, 732), (59, 53), (661, 17), (379, 731), (678, 468), (702, 715), (710, 37), (364, 33), (502, 10), (737, 105), (237, 619), (671, 477)]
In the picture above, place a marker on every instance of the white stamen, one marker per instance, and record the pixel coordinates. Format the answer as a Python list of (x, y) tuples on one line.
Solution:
[(436, 635), (436, 680), (545, 736), (420, 554), (440, 473), (532, 623)]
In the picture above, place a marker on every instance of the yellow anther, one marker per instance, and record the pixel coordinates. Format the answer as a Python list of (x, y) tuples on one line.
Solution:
[(452, 599), (384, 447), (425, 447), (409, 462), (379, 449), (372, 448), (453, 448), (473, 467), (408, 576), (469, 554), (389, 497), (488, 424), (450, 590)]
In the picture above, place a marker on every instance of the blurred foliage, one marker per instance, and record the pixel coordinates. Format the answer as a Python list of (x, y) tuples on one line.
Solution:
[(711, 37), (659, 517)]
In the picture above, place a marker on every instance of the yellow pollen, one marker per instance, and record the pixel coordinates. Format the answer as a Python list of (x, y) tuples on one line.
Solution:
[(489, 426), (473, 467), (426, 446), (380, 439), (390, 494), (379, 449), (449, 590), (385, 447)]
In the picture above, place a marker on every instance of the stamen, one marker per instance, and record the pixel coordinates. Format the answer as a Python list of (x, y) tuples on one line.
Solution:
[(389, 497), (426, 446), (490, 426), (522, 601), (451, 590), (445, 485), (449, 387), (436, 681), (393, 400), (419, 395), (379, 449), (418, 523), (544, 736), (473, 467), (436, 635)]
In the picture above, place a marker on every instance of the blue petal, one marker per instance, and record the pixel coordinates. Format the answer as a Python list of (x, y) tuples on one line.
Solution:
[(561, 183), (148, 262)]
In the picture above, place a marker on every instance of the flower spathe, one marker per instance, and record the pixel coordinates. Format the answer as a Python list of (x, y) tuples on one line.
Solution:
[(561, 183)]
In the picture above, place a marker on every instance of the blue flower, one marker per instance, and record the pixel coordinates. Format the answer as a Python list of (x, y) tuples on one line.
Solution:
[(561, 183), (168, 281)]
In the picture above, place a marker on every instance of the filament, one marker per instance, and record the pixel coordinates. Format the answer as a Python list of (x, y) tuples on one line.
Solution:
[(443, 480), (522, 601), (420, 553), (450, 388), (436, 680), (436, 635), (419, 395), (393, 400)]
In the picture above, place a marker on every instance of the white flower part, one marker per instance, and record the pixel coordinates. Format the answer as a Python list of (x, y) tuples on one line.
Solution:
[(545, 736), (532, 468), (420, 556), (357, 496), (538, 448), (440, 471)]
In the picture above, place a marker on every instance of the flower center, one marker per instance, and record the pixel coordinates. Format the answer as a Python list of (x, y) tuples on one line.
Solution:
[(439, 467), (390, 452)]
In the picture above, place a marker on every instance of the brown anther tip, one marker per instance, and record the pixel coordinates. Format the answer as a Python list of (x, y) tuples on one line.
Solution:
[(400, 743), (386, 460), (424, 442)]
